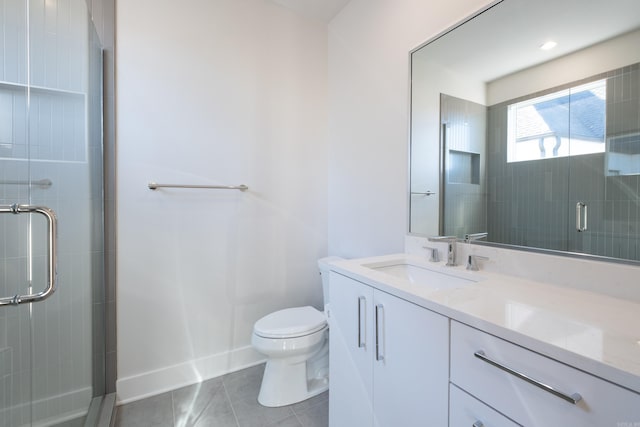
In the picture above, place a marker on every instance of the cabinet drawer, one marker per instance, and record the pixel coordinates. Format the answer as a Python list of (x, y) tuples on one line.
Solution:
[(496, 378), (465, 411)]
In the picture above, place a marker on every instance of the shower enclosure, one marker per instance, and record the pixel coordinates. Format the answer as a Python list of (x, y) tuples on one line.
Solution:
[(51, 344)]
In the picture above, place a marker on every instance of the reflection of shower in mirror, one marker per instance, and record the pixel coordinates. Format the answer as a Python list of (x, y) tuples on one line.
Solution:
[(560, 127)]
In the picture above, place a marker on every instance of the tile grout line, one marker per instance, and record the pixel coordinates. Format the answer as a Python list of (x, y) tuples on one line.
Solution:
[(308, 409), (295, 414), (233, 410), (173, 412)]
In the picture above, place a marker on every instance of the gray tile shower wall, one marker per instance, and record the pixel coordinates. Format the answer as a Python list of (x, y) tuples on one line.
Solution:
[(533, 203), (527, 201), (465, 160)]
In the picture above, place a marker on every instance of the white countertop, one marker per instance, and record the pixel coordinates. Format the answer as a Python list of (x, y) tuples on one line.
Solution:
[(595, 333)]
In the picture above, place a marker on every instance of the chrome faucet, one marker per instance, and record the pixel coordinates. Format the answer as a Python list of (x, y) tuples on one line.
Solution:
[(472, 262), (475, 236), (451, 248), (433, 254)]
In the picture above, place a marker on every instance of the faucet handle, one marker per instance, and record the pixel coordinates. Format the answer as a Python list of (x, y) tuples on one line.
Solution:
[(434, 255), (472, 262), (451, 242)]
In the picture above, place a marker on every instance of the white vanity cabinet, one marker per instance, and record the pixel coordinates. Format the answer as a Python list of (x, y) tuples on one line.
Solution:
[(532, 389), (389, 359), (467, 411)]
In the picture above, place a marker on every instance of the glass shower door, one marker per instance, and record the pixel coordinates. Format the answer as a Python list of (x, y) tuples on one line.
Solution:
[(50, 155), (605, 191)]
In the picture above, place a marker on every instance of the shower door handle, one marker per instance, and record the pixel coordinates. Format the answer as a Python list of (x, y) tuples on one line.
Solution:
[(52, 237), (581, 217)]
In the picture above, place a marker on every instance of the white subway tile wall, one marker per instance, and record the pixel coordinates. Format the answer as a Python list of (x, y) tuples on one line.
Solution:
[(46, 349)]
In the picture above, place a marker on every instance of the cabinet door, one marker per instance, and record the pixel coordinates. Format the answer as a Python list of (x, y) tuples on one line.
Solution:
[(351, 348), (410, 372)]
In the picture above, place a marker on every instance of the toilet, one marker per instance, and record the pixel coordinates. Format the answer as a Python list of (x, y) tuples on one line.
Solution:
[(296, 343)]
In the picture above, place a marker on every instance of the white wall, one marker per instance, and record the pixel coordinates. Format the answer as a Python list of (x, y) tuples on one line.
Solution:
[(369, 44), (223, 92)]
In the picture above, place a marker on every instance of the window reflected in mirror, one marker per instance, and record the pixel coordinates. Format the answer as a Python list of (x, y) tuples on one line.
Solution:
[(569, 122)]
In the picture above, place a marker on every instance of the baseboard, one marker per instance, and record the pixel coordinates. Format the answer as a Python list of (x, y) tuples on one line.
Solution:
[(151, 383)]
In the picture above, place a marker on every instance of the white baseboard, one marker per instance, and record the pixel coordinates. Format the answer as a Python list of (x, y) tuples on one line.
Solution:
[(173, 377)]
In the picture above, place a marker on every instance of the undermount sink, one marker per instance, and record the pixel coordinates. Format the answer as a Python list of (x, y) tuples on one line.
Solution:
[(421, 276)]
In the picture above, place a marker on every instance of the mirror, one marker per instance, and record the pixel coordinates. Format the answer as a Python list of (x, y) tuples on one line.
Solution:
[(538, 146)]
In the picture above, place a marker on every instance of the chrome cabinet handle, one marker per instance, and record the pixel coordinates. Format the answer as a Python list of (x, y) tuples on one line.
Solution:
[(426, 193), (379, 332), (362, 307), (52, 235), (581, 212), (571, 398)]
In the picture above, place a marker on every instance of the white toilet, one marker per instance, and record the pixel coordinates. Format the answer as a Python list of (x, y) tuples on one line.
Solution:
[(296, 342)]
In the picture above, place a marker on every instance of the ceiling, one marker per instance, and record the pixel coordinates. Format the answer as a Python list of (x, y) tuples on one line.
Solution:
[(507, 37), (320, 10)]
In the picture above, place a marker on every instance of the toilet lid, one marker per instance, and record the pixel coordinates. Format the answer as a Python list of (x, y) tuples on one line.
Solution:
[(290, 323)]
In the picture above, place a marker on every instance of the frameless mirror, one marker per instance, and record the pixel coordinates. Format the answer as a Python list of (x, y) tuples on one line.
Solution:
[(525, 124)]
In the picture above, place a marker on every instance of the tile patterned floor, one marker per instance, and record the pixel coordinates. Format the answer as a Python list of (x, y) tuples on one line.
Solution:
[(227, 401)]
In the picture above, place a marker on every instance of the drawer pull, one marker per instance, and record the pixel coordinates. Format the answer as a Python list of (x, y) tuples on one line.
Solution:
[(573, 398), (379, 332), (362, 306)]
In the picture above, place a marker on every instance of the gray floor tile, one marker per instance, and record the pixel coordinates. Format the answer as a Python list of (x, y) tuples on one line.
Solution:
[(228, 401), (291, 421), (203, 404), (300, 407), (244, 384), (247, 372), (315, 416), (250, 413), (154, 411)]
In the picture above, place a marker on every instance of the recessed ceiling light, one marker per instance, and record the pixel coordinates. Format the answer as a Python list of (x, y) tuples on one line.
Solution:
[(548, 45)]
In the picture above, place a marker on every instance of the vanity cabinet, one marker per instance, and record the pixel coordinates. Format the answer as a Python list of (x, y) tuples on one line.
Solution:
[(493, 370), (467, 411), (389, 359)]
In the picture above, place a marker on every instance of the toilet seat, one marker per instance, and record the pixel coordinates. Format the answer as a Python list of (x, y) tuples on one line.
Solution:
[(290, 323)]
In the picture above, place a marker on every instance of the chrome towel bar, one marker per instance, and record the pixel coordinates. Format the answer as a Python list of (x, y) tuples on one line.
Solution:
[(241, 187)]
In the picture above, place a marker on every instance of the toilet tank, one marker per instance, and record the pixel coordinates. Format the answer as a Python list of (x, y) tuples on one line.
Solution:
[(323, 266)]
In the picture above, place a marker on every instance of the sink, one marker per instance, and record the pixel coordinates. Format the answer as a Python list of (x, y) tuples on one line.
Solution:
[(421, 275)]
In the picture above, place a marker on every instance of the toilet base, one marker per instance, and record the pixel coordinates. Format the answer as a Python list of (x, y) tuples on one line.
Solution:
[(288, 381)]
